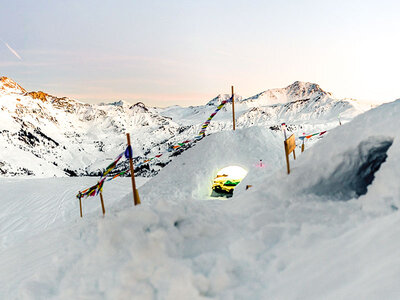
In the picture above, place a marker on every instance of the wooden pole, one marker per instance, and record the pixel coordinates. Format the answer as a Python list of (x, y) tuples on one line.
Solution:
[(80, 205), (302, 147), (294, 155), (233, 109), (287, 158), (136, 198), (102, 203)]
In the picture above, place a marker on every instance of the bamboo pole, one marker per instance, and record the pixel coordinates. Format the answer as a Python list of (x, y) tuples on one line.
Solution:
[(233, 109), (287, 158), (136, 198), (102, 203), (80, 205)]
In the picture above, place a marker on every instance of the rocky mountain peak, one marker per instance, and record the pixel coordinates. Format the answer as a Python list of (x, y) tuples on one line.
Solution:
[(296, 91), (140, 106), (302, 89), (38, 95), (120, 103), (64, 103), (221, 97), (8, 85)]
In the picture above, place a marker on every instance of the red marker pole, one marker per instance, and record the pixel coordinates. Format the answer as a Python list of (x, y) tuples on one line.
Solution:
[(284, 130)]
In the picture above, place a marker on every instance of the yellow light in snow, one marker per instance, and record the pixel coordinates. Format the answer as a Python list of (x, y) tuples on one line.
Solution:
[(232, 172)]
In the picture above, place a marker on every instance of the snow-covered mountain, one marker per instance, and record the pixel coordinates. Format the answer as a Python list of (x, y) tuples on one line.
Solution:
[(294, 92), (44, 135)]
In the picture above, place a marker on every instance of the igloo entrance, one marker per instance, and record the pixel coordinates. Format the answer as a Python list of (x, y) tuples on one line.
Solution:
[(226, 181)]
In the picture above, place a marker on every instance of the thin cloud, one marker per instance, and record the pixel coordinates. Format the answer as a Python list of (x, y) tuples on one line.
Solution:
[(12, 50)]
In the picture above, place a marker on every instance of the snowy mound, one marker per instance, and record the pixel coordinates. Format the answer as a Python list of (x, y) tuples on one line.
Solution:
[(342, 167), (368, 144), (191, 174)]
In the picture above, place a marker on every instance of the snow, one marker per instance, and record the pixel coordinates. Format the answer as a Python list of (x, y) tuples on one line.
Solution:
[(360, 264), (307, 235), (48, 204)]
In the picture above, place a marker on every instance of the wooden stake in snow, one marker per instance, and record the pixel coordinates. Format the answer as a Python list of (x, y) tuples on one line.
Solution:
[(302, 146), (233, 109), (80, 203), (102, 203), (136, 198), (290, 145)]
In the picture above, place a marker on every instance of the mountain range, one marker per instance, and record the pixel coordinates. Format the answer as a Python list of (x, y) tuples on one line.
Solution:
[(44, 135)]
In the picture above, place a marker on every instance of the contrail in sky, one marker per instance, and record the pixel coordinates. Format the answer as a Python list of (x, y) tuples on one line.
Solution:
[(12, 50)]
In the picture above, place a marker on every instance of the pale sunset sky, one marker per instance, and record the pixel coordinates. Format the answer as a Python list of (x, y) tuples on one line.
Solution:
[(186, 52)]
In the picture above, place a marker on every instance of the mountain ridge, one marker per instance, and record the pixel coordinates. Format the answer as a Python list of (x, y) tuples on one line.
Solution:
[(45, 135)]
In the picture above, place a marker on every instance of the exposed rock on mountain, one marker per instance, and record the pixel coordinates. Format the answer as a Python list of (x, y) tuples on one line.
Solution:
[(7, 85), (294, 92)]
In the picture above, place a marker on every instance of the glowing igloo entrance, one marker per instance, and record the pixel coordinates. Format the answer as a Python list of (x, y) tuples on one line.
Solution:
[(226, 181)]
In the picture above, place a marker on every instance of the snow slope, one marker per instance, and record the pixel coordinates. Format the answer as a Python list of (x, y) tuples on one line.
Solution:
[(48, 204), (320, 233)]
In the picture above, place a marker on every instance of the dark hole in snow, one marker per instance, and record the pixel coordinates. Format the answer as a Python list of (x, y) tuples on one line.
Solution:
[(351, 178), (177, 223), (217, 192)]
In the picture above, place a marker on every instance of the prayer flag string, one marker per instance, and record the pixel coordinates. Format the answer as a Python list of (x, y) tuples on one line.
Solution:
[(311, 135), (97, 188), (113, 164), (207, 122)]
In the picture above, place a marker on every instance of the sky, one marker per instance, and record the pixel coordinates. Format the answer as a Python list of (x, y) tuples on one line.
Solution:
[(187, 52)]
